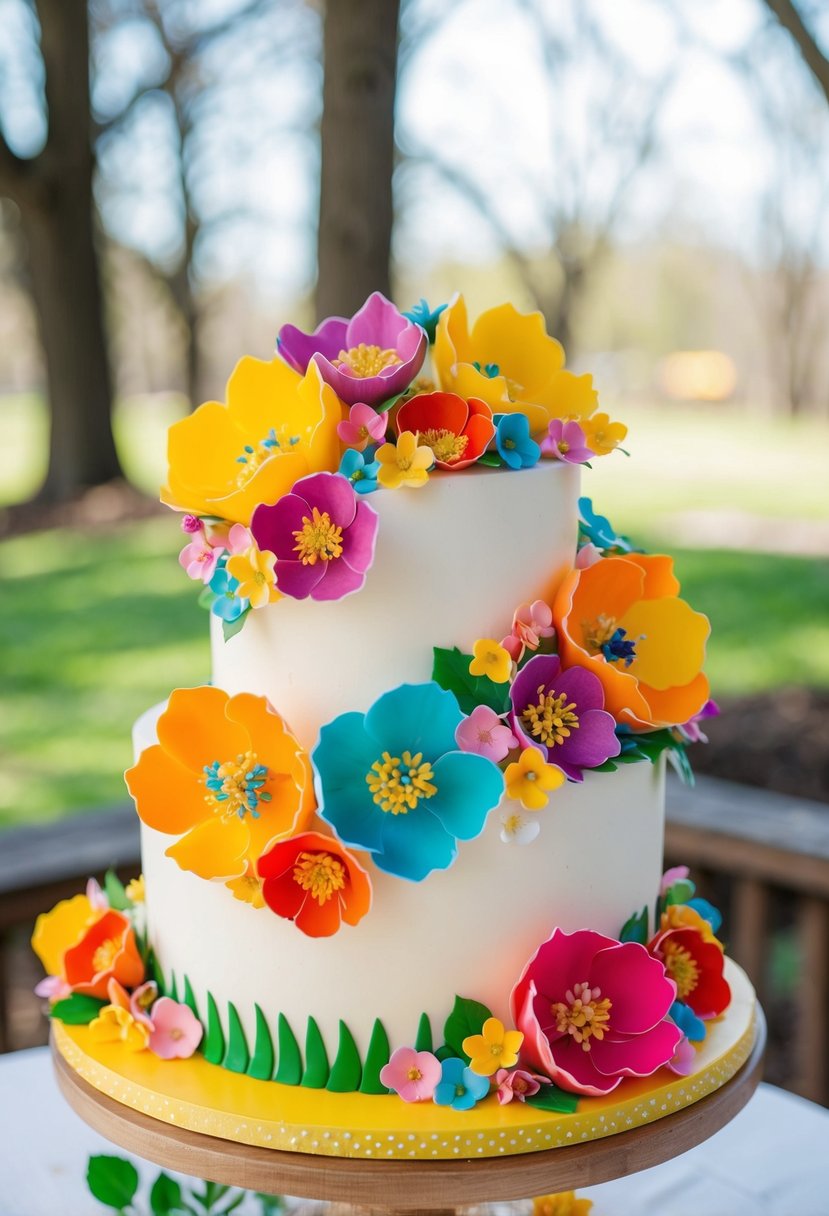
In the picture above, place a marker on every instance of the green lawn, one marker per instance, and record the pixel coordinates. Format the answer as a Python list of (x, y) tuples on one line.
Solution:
[(97, 627)]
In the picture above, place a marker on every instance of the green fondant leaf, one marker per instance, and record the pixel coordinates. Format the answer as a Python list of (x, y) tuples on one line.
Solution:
[(450, 669), (289, 1068), (231, 628), (166, 1197), (115, 892), (112, 1181), (172, 991), (550, 1097), (206, 598), (154, 972), (423, 1042), (77, 1009), (346, 1071), (467, 1017), (609, 766), (189, 999), (376, 1057), (262, 1060), (446, 1053), (635, 929), (214, 1040), (316, 1058), (237, 1056), (680, 892), (492, 459)]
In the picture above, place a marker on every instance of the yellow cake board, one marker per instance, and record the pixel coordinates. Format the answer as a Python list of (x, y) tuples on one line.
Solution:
[(205, 1098)]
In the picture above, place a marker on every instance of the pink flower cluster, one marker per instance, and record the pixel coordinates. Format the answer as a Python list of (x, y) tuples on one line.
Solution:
[(175, 1031), (530, 624), (201, 555)]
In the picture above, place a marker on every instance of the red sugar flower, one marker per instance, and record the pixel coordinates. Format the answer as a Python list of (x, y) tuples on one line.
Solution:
[(456, 430), (314, 881)]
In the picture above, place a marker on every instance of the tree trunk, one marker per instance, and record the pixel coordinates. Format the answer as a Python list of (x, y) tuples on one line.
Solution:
[(355, 217)]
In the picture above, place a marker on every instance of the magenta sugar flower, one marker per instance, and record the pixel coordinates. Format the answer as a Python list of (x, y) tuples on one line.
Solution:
[(561, 713), (594, 1010), (411, 1074), (370, 359), (323, 536), (566, 441), (176, 1031), (485, 734), (362, 427)]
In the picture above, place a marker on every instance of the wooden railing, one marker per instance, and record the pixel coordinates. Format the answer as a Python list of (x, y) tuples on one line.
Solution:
[(764, 858)]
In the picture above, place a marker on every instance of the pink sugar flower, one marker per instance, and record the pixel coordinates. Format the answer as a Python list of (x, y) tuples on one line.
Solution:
[(239, 540), (53, 988), (675, 874), (684, 1060), (96, 896), (362, 427), (587, 556), (191, 523), (142, 1001), (411, 1074), (485, 734), (517, 1083), (176, 1031), (530, 623), (566, 441), (200, 559)]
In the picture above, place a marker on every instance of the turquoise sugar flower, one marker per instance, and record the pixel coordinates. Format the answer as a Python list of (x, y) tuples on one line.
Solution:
[(515, 447), (361, 470), (595, 529), (424, 316), (691, 1026), (227, 605), (393, 782), (459, 1086)]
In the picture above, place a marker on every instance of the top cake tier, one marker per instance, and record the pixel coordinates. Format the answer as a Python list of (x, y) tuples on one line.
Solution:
[(450, 565)]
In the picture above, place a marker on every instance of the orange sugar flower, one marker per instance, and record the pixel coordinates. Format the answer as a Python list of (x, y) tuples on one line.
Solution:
[(58, 930), (633, 599), (226, 777), (106, 951), (457, 431), (316, 882), (276, 427)]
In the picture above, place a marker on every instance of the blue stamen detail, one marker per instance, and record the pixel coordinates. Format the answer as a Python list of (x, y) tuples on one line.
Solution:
[(620, 649)]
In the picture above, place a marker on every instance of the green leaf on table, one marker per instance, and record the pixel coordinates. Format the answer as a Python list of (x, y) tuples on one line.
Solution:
[(112, 1180), (77, 1009), (450, 669), (550, 1097), (166, 1196), (115, 892), (467, 1017)]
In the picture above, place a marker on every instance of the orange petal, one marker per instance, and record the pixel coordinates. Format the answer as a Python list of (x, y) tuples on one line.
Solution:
[(674, 706), (660, 580), (195, 730), (214, 849), (269, 733), (168, 796), (609, 587)]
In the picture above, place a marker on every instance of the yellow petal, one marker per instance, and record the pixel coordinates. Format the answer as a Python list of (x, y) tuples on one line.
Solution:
[(568, 396), (452, 343), (214, 849), (262, 394), (56, 931), (521, 347), (202, 451), (672, 646)]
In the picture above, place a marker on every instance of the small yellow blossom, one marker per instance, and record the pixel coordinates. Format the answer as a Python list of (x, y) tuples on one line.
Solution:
[(681, 916), (564, 1203), (248, 889), (404, 463), (116, 1025), (254, 571), (495, 1047), (135, 890), (491, 659), (602, 435), (530, 778)]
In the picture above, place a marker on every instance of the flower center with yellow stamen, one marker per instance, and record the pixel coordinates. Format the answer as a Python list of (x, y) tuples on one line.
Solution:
[(414, 1074), (398, 783), (519, 1085), (364, 361), (236, 786), (682, 967), (254, 455), (320, 874), (105, 955), (512, 823), (318, 539), (584, 1013), (176, 1034), (551, 719), (563, 446), (446, 445), (146, 999), (598, 633)]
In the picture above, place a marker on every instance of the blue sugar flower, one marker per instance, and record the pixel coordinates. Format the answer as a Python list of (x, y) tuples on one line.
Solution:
[(362, 473), (393, 782), (459, 1086), (515, 447), (707, 911), (597, 530), (424, 316), (227, 604), (691, 1026)]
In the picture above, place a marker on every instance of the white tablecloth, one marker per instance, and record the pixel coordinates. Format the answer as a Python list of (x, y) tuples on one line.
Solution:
[(772, 1160)]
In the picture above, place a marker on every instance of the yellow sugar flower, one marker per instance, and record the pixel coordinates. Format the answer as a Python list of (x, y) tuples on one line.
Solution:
[(247, 889), (115, 1024), (491, 659), (135, 890), (495, 1047), (255, 572), (564, 1203), (56, 931), (602, 435), (276, 427), (530, 778), (404, 463)]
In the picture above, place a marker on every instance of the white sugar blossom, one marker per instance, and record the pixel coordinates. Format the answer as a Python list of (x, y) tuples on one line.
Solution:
[(517, 828)]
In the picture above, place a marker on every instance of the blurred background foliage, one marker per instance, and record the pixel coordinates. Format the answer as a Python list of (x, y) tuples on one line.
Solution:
[(652, 176)]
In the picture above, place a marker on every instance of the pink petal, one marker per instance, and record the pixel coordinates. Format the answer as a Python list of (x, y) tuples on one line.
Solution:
[(297, 580), (638, 1055), (359, 540), (575, 1069), (338, 581), (636, 985)]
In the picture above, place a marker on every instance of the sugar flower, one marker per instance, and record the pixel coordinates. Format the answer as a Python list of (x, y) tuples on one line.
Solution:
[(638, 594), (686, 916), (530, 623), (696, 967), (277, 426), (405, 463), (515, 447), (61, 928), (370, 359), (531, 778), (411, 1074), (690, 731), (362, 427), (597, 530), (560, 713), (519, 829), (191, 524), (247, 888), (107, 950), (491, 659), (508, 360), (601, 435), (684, 1060), (564, 1203), (565, 441), (229, 604), (495, 1047), (424, 316), (457, 431), (135, 890), (226, 778), (253, 571), (360, 472), (692, 1026), (459, 1087), (314, 881), (672, 875), (593, 1010), (114, 1024), (392, 781), (517, 1083), (484, 733), (323, 537), (199, 558), (176, 1031)]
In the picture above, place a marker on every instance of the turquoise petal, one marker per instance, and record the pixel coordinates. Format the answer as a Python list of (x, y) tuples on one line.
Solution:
[(341, 759), (414, 845), (469, 786), (417, 717)]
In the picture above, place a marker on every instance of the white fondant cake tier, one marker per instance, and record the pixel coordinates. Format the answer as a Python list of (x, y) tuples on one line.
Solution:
[(453, 561), (467, 930)]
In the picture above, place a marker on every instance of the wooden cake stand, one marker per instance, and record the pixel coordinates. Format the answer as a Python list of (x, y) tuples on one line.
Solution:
[(420, 1185)]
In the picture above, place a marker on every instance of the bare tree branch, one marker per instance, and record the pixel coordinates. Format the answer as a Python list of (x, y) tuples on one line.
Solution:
[(817, 62)]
